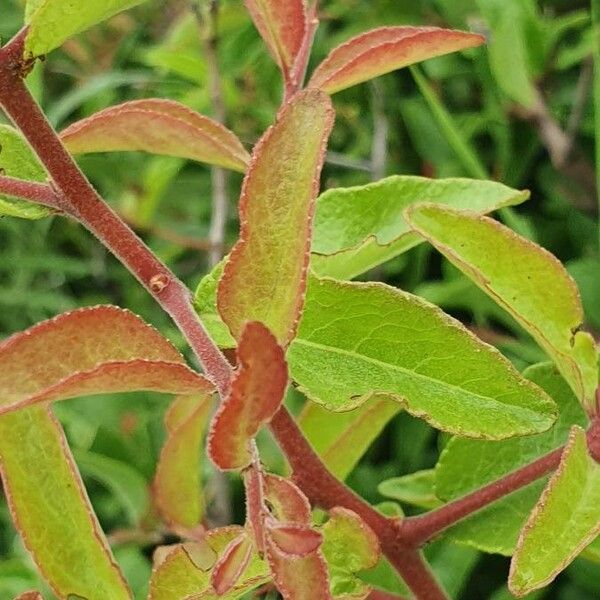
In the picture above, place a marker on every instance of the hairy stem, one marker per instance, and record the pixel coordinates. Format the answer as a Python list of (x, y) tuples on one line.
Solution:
[(40, 193)]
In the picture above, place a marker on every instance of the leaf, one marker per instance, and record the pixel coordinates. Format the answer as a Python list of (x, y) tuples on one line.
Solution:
[(564, 521), (383, 50), (177, 487), (282, 25), (17, 160), (265, 277), (90, 351), (157, 126), (29, 596), (127, 484), (229, 568), (180, 576), (41, 482), (256, 394), (287, 503), (466, 465), (341, 439), (294, 540), (349, 547), (518, 275), (52, 22), (359, 228), (416, 489), (358, 340)]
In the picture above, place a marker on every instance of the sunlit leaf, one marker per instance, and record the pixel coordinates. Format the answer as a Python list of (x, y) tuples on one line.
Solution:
[(466, 465), (564, 521), (265, 277), (184, 571), (159, 127), (359, 228), (386, 49), (52, 22), (256, 394), (90, 351), (526, 280), (43, 487), (17, 160), (341, 439), (282, 25), (177, 486), (358, 340)]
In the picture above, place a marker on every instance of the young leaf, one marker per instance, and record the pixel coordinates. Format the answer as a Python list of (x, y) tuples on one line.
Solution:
[(564, 521), (265, 277), (17, 160), (91, 351), (42, 487), (416, 489), (176, 487), (294, 540), (186, 570), (52, 22), (349, 547), (283, 26), (256, 394), (526, 280), (466, 465), (229, 568), (358, 340), (159, 127), (341, 439), (359, 228), (287, 502), (384, 50)]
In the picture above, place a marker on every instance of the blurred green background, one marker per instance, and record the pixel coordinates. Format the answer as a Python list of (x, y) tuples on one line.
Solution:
[(519, 111)]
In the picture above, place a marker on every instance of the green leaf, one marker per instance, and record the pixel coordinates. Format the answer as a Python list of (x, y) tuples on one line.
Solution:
[(466, 465), (416, 489), (265, 276), (523, 278), (349, 546), (52, 22), (126, 483), (341, 439), (17, 160), (183, 572), (358, 340), (359, 228), (51, 509), (565, 520)]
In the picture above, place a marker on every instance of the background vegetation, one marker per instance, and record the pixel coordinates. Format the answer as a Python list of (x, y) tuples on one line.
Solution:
[(520, 112)]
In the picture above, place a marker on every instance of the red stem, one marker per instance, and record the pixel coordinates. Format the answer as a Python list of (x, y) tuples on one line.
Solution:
[(40, 193)]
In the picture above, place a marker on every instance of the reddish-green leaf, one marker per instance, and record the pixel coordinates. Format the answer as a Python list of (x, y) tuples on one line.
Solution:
[(386, 49), (184, 572), (229, 568), (282, 25), (51, 510), (288, 504), (159, 127), (29, 596), (256, 394), (176, 487), (265, 277), (90, 351), (294, 540)]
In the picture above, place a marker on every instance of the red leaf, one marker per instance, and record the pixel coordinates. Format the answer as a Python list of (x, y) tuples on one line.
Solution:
[(288, 503), (294, 540), (29, 596), (256, 394), (386, 49), (91, 351), (282, 25), (231, 565), (265, 277), (159, 127)]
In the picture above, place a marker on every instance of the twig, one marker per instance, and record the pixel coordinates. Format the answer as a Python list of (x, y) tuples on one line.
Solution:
[(40, 193)]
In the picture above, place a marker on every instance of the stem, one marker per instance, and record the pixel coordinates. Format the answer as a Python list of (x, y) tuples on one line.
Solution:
[(419, 530), (596, 88), (40, 193), (87, 206), (416, 573)]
